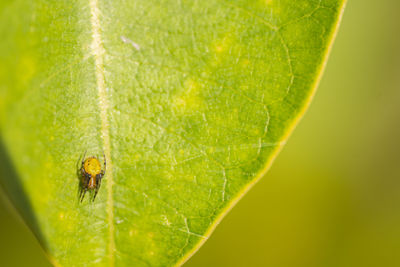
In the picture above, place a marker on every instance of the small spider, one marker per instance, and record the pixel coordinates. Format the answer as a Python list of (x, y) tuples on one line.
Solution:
[(91, 175)]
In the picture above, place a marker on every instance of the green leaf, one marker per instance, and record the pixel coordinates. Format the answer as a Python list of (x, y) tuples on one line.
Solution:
[(190, 101)]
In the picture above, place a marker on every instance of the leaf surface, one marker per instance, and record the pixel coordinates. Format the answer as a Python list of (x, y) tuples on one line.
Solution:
[(189, 101)]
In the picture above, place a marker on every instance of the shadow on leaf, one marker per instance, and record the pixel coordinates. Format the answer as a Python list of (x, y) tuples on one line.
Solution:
[(10, 183)]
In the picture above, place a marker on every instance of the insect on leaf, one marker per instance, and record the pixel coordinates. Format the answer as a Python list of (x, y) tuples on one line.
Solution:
[(189, 101)]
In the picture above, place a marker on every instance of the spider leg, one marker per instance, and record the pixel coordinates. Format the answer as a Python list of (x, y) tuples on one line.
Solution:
[(98, 182), (84, 186), (83, 159), (83, 192), (105, 165)]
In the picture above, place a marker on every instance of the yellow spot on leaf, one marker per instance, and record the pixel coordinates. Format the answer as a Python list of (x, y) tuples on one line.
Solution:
[(223, 44), (256, 132), (211, 150), (244, 87), (26, 68), (133, 232), (189, 99), (268, 2), (221, 48), (168, 176), (245, 62), (48, 164)]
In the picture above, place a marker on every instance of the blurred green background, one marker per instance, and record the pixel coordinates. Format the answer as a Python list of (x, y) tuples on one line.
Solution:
[(332, 198)]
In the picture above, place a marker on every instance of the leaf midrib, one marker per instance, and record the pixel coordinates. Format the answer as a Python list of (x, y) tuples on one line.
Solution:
[(98, 52)]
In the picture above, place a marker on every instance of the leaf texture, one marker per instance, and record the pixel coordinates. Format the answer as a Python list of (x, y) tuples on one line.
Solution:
[(189, 101)]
